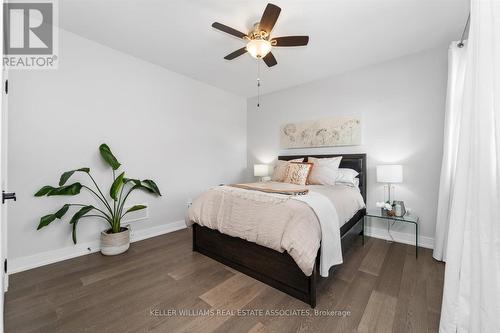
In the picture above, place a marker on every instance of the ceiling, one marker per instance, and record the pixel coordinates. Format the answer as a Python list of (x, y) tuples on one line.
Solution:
[(344, 35)]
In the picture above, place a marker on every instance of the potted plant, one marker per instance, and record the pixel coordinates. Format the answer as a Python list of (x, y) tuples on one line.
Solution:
[(116, 239)]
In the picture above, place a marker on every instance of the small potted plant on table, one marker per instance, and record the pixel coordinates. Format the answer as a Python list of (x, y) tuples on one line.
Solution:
[(116, 239)]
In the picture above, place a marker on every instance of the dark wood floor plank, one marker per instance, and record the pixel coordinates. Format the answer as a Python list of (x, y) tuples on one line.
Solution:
[(269, 298), (413, 295), (381, 285), (379, 313), (354, 300), (435, 283), (433, 321), (406, 292), (353, 259), (185, 297), (373, 261), (95, 261), (389, 281), (257, 328)]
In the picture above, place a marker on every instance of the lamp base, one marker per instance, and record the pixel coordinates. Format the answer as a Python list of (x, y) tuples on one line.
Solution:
[(389, 199)]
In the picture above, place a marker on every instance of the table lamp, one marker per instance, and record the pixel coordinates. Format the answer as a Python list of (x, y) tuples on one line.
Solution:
[(262, 171), (390, 174)]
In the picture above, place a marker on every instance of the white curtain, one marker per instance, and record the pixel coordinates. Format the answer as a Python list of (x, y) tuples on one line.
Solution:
[(456, 77), (471, 299)]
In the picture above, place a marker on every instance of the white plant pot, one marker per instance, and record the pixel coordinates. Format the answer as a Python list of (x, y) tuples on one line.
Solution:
[(113, 244)]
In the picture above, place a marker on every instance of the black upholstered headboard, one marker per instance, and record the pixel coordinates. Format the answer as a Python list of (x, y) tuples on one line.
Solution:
[(351, 161)]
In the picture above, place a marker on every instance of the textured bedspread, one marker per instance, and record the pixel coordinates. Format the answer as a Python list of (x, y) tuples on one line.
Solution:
[(277, 221)]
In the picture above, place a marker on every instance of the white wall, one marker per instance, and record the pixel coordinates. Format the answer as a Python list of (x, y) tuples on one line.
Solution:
[(184, 134), (402, 105)]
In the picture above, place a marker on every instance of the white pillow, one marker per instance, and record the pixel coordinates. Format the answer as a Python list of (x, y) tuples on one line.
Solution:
[(347, 176), (279, 172), (324, 171), (355, 184)]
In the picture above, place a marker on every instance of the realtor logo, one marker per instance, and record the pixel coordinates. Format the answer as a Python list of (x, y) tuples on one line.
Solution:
[(30, 34)]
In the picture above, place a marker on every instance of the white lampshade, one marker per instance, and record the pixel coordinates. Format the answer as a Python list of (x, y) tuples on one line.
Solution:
[(260, 170), (259, 48), (390, 173)]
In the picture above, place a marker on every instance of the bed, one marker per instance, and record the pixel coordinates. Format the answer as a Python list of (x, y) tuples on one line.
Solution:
[(279, 269)]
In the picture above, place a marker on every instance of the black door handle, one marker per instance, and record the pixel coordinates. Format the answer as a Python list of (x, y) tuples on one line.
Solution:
[(8, 196)]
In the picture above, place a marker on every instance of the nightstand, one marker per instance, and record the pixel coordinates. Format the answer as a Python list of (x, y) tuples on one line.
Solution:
[(408, 218)]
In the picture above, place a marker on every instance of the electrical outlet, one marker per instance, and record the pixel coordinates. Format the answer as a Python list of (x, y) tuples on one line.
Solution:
[(189, 203)]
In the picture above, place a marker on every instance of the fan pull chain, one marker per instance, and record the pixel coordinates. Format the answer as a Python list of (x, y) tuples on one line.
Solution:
[(258, 83)]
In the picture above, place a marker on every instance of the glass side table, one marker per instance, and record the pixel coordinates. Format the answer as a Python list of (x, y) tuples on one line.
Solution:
[(408, 218)]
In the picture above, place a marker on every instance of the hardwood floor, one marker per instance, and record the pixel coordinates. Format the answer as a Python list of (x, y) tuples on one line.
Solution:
[(381, 287)]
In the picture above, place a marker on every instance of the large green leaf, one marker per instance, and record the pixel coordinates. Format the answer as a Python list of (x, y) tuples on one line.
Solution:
[(44, 190), (108, 156), (72, 189), (136, 181), (73, 233), (134, 208), (45, 221), (60, 213), (141, 187), (65, 176), (115, 187), (78, 215), (151, 185)]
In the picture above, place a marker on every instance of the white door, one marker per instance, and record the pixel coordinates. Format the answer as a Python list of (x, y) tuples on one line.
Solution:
[(3, 178), (3, 237), (4, 278), (4, 282), (3, 221)]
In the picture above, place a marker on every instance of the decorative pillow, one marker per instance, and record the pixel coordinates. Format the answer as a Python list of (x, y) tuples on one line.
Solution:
[(347, 176), (298, 173), (279, 171), (324, 171)]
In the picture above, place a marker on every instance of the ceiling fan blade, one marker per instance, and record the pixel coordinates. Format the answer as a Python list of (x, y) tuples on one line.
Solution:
[(270, 60), (236, 53), (228, 30), (269, 17), (291, 41)]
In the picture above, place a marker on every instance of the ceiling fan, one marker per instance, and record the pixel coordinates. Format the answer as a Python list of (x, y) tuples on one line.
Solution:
[(259, 41)]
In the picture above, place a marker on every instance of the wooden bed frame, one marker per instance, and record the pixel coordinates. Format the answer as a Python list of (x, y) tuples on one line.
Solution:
[(277, 269)]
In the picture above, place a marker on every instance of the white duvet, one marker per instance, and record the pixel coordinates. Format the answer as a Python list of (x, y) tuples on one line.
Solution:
[(296, 224)]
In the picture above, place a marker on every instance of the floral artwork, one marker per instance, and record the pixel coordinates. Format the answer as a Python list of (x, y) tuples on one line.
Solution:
[(338, 131)]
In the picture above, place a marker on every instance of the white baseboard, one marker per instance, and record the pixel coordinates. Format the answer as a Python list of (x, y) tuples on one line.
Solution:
[(137, 235), (49, 257), (399, 237)]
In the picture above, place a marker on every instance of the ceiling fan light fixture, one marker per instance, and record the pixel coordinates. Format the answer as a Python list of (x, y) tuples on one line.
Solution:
[(259, 48)]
